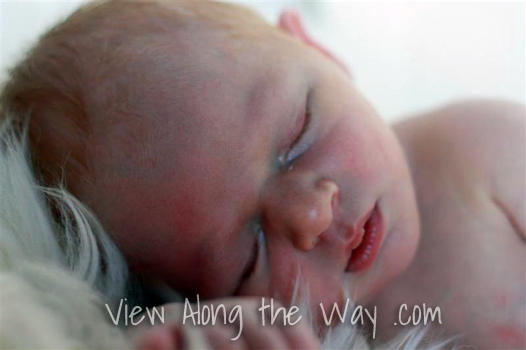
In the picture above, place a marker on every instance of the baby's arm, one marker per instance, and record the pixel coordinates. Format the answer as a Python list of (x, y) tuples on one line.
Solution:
[(468, 166), (509, 173), (493, 136), (479, 144)]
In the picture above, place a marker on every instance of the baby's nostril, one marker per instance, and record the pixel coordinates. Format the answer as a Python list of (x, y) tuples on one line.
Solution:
[(330, 188), (314, 242), (334, 199)]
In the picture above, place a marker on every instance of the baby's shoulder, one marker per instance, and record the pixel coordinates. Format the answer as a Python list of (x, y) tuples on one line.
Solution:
[(468, 148), (471, 135), (468, 165)]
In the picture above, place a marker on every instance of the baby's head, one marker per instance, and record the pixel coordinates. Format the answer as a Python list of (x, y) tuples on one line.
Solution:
[(222, 154)]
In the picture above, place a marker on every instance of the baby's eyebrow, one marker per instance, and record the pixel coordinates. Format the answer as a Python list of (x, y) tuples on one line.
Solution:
[(266, 94), (122, 114)]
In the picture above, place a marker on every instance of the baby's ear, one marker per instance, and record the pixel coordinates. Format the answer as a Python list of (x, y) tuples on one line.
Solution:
[(290, 22)]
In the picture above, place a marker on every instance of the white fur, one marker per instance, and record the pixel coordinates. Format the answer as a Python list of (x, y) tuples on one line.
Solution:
[(52, 289)]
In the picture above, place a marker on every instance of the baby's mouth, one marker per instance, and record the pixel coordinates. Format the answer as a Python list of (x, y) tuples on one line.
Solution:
[(366, 245)]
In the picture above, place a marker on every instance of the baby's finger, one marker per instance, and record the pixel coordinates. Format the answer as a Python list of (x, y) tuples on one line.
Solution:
[(194, 338), (160, 338), (300, 336), (265, 337), (220, 336)]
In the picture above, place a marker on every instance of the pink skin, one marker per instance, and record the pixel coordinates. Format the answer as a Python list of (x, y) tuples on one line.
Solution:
[(161, 338), (510, 336), (179, 187)]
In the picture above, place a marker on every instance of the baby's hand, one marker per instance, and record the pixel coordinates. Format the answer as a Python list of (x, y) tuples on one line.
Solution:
[(174, 335)]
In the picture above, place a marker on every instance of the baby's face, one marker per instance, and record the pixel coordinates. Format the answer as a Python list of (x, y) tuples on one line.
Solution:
[(269, 137)]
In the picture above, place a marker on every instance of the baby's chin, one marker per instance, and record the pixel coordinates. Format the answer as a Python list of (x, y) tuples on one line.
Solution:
[(397, 251)]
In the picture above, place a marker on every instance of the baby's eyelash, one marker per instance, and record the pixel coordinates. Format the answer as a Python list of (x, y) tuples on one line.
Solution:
[(306, 123), (260, 234), (261, 237), (259, 244), (293, 152), (251, 266)]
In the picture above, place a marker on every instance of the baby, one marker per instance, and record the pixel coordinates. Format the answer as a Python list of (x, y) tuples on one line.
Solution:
[(227, 157)]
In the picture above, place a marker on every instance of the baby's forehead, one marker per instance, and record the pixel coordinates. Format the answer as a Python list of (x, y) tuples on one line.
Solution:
[(206, 41), (219, 102), (123, 59), (186, 75), (195, 118)]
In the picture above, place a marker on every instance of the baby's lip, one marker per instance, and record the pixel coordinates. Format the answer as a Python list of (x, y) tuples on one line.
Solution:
[(359, 231), (364, 253)]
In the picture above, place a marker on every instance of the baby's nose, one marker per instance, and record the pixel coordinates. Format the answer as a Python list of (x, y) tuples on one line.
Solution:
[(299, 207)]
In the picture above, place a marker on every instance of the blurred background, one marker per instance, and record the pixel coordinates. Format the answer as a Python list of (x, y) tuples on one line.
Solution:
[(405, 57)]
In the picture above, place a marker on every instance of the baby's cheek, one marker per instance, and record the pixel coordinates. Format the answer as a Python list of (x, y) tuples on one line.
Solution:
[(513, 332), (510, 336)]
